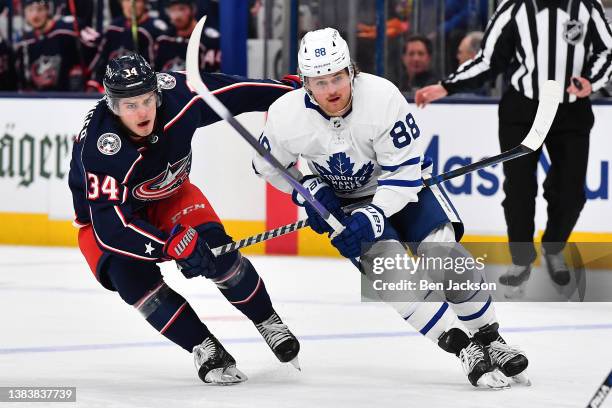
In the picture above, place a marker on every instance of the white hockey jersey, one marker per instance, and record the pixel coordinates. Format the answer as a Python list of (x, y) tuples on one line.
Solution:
[(374, 149)]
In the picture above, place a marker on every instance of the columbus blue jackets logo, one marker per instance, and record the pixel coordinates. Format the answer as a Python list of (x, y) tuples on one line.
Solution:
[(166, 81), (109, 144), (165, 184), (341, 174), (573, 31), (45, 71)]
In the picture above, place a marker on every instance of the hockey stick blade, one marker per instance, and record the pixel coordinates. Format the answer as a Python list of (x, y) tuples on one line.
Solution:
[(545, 115), (550, 96)]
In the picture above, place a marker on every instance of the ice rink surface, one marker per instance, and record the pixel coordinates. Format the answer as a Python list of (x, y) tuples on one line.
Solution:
[(59, 327)]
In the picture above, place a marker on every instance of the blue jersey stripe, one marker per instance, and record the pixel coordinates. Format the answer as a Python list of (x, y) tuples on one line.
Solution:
[(401, 183), (409, 162), (434, 319), (478, 313)]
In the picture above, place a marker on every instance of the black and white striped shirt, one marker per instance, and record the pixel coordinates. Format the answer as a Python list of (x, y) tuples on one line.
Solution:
[(537, 40)]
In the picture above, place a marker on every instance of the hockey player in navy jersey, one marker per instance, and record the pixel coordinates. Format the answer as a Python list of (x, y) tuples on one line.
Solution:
[(172, 46), (118, 40), (136, 207), (51, 56), (360, 139)]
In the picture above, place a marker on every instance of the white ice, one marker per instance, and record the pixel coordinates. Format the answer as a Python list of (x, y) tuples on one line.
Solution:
[(59, 327)]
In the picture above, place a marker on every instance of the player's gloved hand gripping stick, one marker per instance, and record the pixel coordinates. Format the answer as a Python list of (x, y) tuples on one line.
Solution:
[(192, 255)]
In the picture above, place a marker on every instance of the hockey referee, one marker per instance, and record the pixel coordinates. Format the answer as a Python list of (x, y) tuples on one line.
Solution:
[(569, 41)]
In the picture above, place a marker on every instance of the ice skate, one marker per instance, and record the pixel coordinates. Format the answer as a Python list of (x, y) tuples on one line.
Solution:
[(557, 268), (283, 343), (510, 360), (475, 360), (477, 366), (215, 365), (515, 281)]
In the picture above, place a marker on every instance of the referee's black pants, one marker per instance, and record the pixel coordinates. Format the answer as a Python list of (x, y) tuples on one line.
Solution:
[(568, 147)]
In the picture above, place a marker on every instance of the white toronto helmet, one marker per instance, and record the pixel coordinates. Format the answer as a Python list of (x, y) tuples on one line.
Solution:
[(323, 52)]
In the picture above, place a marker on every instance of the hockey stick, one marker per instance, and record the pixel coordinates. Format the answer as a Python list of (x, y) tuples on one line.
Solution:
[(194, 79), (545, 115), (602, 393), (134, 24), (274, 233), (256, 239)]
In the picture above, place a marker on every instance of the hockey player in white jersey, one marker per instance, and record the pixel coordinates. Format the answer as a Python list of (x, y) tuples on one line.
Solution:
[(361, 140)]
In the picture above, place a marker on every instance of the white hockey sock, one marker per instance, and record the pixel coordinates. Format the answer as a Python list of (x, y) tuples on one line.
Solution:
[(473, 308), (431, 319), (475, 315)]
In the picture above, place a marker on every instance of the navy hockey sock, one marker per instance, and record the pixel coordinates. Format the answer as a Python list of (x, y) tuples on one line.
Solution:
[(140, 284), (245, 289), (236, 277)]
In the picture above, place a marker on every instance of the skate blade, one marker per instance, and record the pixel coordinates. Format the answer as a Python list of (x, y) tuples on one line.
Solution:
[(493, 380), (296, 363), (225, 376), (523, 379)]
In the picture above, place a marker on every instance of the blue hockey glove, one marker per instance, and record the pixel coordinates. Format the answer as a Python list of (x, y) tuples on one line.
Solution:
[(324, 194), (192, 255), (363, 226)]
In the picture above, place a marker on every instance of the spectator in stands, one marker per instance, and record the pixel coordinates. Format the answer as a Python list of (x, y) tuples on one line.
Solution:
[(460, 17), (52, 55), (118, 39), (467, 50), (469, 46), (172, 46), (417, 63)]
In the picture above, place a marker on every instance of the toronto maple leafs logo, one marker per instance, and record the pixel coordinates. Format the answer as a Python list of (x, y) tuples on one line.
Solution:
[(340, 173)]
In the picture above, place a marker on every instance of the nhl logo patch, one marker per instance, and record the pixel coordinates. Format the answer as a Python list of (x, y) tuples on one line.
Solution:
[(166, 81), (109, 144), (336, 123), (573, 31)]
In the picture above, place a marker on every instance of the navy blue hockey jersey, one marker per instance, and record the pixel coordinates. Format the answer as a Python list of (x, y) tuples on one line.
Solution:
[(172, 48), (113, 179), (117, 41), (51, 60)]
